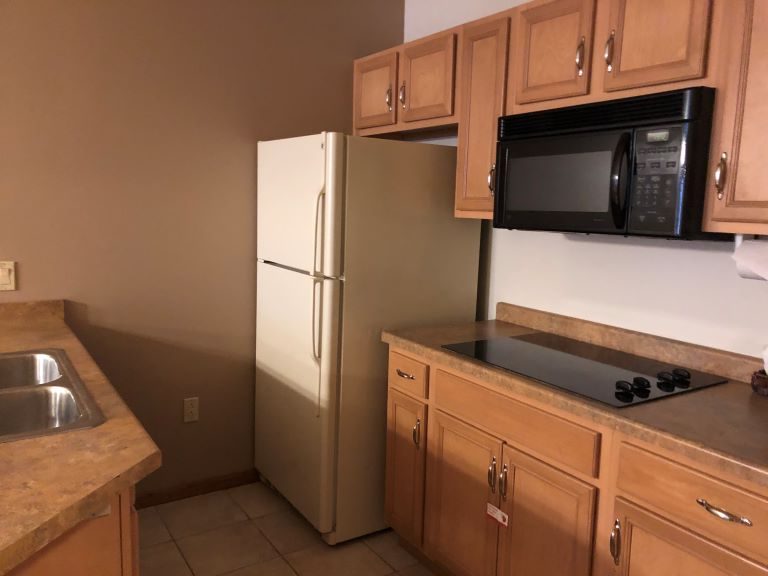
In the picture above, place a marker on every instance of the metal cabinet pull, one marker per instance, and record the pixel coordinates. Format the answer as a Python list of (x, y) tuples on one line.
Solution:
[(401, 95), (580, 57), (405, 374), (417, 432), (492, 475), (503, 481), (608, 54), (721, 174), (388, 98), (723, 514), (615, 542), (492, 179)]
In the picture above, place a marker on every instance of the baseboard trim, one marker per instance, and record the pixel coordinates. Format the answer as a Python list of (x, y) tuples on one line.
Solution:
[(196, 488)]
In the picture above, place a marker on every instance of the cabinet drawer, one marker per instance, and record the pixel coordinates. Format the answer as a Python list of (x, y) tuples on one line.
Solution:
[(535, 430), (408, 375), (673, 490)]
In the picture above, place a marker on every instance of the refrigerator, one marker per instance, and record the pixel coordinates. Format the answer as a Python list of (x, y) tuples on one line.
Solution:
[(354, 236)]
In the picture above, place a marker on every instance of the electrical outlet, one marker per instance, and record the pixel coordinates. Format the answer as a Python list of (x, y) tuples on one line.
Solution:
[(191, 409), (8, 275)]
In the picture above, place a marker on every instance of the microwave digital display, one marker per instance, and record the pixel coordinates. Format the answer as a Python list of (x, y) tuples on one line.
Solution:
[(657, 136)]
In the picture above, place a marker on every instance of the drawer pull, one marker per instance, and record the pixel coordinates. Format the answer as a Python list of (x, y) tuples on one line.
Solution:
[(405, 374), (723, 514)]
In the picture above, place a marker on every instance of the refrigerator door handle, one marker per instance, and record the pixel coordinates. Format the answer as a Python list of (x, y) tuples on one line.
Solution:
[(320, 197), (316, 347)]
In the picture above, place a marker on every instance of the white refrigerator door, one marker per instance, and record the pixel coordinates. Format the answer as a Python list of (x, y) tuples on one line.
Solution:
[(299, 202), (296, 385)]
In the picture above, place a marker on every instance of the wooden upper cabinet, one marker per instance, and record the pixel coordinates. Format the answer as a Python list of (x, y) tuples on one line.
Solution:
[(462, 465), (406, 452), (738, 199), (552, 50), (427, 78), (655, 41), (483, 85), (648, 545), (375, 82), (551, 519)]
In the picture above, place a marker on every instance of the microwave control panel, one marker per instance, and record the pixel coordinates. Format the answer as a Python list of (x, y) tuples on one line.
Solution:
[(657, 179)]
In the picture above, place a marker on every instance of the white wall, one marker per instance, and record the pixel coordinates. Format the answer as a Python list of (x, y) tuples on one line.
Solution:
[(683, 290)]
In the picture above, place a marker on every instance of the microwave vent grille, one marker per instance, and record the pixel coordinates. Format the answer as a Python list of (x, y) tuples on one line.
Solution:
[(676, 106)]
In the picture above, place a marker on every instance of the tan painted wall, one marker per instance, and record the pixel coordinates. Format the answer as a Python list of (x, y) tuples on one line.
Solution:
[(128, 138)]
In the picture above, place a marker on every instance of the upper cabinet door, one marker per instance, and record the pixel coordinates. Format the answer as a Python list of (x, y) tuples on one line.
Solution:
[(738, 186), (427, 78), (655, 41), (375, 79), (483, 83), (552, 50)]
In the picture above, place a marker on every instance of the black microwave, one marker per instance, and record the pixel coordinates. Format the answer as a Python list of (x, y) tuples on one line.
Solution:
[(634, 166)]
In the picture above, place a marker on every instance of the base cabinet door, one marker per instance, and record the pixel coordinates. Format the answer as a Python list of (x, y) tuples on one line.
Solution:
[(655, 41), (552, 50), (375, 81), (406, 452), (644, 544), (427, 78), (483, 86), (551, 519), (738, 187), (462, 478)]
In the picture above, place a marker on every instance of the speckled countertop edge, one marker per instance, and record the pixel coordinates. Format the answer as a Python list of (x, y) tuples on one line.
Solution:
[(49, 484)]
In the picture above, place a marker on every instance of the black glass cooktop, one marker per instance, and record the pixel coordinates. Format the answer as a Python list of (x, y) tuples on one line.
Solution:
[(602, 374)]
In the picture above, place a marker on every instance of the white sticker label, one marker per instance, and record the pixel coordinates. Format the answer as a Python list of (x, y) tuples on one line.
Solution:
[(497, 514)]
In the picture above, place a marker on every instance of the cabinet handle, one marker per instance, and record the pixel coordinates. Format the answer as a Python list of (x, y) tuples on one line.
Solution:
[(503, 481), (417, 432), (492, 179), (405, 374), (616, 542), (388, 98), (492, 475), (401, 95), (608, 54), (721, 174), (723, 514), (580, 57)]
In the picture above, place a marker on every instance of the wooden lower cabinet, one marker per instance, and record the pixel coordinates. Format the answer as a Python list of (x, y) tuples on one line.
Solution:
[(551, 519), (653, 546), (462, 468), (106, 545), (406, 452)]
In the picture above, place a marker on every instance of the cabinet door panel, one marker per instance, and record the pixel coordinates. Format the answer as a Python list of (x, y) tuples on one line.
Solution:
[(406, 451), (744, 197), (656, 41), (553, 47), (483, 83), (551, 518), (427, 79), (457, 531), (375, 80), (652, 546)]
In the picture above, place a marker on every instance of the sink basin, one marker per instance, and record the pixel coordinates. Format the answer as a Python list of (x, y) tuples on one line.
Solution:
[(26, 369), (28, 410), (41, 393)]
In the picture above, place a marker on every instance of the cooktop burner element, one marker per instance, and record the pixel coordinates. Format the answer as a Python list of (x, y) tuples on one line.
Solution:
[(602, 374)]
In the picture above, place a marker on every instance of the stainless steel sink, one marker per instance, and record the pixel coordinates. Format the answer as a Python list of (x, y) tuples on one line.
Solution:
[(41, 393)]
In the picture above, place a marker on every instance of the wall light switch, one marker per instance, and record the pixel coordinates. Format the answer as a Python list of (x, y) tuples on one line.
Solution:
[(7, 275)]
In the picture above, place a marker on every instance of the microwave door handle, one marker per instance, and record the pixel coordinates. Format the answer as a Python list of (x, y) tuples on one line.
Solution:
[(618, 188)]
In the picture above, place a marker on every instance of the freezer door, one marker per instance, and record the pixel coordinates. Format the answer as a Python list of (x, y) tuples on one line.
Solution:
[(299, 202), (296, 388)]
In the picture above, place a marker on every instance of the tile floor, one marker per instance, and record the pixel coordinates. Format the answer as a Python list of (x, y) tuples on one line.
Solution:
[(252, 531)]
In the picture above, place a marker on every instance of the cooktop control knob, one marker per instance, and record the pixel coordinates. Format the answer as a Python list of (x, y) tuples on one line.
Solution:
[(682, 373), (623, 386), (666, 385), (640, 382), (665, 376), (623, 396)]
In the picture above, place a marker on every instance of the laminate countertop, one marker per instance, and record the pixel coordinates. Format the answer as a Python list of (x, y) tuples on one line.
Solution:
[(724, 427), (49, 484)]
